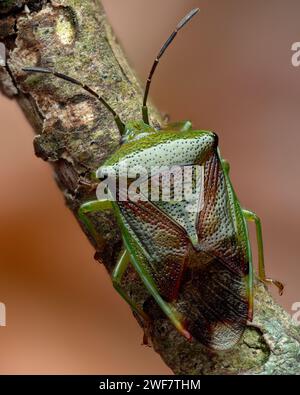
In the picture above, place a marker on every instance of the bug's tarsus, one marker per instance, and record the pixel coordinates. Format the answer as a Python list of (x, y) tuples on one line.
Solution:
[(65, 77), (180, 25)]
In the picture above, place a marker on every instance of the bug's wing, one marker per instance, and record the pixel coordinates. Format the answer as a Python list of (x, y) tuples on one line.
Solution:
[(214, 301), (220, 291), (180, 198), (162, 230), (213, 297), (160, 245), (214, 294), (221, 226)]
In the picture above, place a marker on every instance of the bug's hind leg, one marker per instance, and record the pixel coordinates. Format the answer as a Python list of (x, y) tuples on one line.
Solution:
[(166, 307), (117, 275), (226, 166), (174, 316), (250, 216), (126, 257)]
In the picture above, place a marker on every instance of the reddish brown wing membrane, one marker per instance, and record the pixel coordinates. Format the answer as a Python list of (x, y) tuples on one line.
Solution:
[(218, 291)]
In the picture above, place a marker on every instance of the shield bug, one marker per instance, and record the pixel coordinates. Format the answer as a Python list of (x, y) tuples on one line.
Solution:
[(193, 256)]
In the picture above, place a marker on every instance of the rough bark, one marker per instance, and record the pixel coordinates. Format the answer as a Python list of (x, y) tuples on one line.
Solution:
[(75, 133)]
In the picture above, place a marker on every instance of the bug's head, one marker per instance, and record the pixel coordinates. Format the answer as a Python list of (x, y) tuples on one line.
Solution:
[(135, 130)]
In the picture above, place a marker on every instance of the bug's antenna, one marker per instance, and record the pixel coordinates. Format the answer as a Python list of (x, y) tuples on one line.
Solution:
[(180, 25), (117, 119)]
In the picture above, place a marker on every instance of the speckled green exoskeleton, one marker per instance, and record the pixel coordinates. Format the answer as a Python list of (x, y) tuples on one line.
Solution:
[(198, 268)]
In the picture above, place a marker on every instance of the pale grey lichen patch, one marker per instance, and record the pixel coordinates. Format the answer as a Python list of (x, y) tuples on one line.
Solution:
[(65, 30), (82, 114), (280, 334)]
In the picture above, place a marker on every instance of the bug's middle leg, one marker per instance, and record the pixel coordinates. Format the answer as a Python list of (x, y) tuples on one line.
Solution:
[(122, 264), (250, 216)]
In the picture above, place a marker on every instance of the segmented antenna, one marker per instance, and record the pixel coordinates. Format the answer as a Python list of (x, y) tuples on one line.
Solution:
[(117, 119), (180, 25)]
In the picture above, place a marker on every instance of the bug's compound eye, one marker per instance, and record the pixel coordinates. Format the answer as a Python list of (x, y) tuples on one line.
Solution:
[(216, 139), (124, 139), (135, 130)]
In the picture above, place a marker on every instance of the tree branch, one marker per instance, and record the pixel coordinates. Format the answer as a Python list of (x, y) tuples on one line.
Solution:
[(75, 133)]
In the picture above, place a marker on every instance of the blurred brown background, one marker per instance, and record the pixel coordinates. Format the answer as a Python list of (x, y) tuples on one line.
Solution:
[(230, 71)]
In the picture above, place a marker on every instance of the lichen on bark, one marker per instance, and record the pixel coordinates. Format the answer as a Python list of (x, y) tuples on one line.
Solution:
[(75, 133)]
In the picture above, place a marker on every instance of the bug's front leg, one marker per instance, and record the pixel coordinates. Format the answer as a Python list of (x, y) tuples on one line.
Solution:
[(250, 216), (181, 126), (92, 207)]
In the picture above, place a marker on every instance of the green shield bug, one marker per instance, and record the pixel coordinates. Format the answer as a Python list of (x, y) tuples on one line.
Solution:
[(197, 250)]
